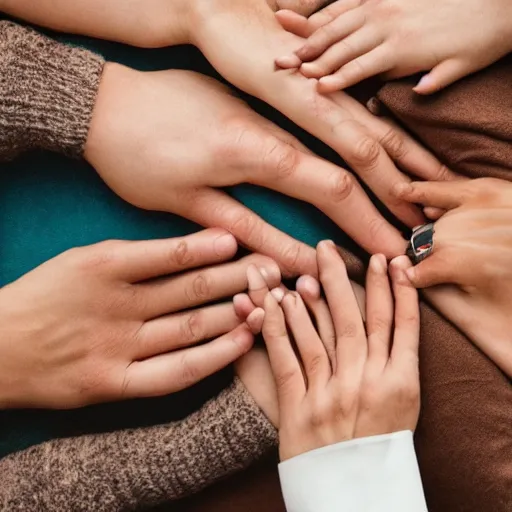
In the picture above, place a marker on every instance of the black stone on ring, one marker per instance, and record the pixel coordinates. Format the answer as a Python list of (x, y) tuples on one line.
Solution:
[(421, 243)]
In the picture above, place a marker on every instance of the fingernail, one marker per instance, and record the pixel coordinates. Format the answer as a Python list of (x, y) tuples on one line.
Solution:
[(288, 61), (310, 285), (425, 82), (255, 279), (224, 243), (379, 263), (278, 294)]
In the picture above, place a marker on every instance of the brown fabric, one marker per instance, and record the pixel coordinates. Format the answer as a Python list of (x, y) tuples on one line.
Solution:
[(124, 470), (464, 439), (48, 92)]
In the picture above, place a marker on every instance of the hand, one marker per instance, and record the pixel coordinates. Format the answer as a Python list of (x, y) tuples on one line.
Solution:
[(156, 145), (352, 40), (472, 253), (242, 40), (370, 384), (97, 324)]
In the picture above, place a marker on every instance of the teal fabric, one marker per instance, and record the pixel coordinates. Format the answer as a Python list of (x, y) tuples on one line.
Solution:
[(49, 204)]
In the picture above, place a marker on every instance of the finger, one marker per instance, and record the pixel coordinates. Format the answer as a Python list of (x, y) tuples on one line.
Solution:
[(445, 195), (370, 64), (331, 12), (172, 372), (312, 352), (335, 192), (197, 287), (215, 208), (138, 261), (444, 74), (285, 365), (304, 7), (309, 289), (379, 311), (258, 287), (438, 268), (433, 213), (329, 34), (407, 315), (184, 329), (364, 154), (399, 145), (351, 345), (350, 48), (243, 305), (293, 22), (255, 320)]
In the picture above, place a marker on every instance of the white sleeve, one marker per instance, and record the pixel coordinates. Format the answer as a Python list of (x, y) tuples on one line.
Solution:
[(371, 474)]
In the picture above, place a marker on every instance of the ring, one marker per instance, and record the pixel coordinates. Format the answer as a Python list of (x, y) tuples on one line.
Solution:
[(421, 243)]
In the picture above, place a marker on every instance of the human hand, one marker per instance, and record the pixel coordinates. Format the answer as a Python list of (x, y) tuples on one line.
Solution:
[(156, 145), (472, 254), (99, 323), (351, 40), (370, 384), (242, 39)]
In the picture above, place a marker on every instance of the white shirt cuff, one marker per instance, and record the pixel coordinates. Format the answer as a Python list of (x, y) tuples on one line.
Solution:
[(371, 474)]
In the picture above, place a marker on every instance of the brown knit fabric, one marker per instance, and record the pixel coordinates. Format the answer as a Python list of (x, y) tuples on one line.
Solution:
[(133, 468), (47, 95)]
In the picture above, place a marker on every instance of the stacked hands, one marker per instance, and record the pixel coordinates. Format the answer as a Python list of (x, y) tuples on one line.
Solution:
[(346, 364)]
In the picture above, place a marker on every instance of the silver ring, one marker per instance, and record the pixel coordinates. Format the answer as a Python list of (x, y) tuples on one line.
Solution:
[(421, 243)]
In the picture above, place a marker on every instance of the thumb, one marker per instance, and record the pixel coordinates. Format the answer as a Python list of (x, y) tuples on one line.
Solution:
[(434, 270), (442, 75)]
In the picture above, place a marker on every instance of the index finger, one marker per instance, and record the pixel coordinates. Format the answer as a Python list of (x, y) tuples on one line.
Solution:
[(407, 315), (444, 195), (140, 261)]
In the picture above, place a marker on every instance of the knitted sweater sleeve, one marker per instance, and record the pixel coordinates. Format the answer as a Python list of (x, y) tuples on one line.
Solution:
[(143, 467), (47, 93)]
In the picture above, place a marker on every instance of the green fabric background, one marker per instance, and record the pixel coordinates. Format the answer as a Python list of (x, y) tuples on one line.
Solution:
[(49, 204)]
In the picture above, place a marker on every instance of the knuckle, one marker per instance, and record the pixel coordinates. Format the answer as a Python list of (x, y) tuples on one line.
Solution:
[(394, 144), (247, 228), (188, 373), (343, 184), (291, 256), (284, 380), (349, 330), (442, 173), (95, 258), (200, 288), (366, 153), (281, 159), (192, 328), (375, 227), (315, 363), (320, 416), (181, 255)]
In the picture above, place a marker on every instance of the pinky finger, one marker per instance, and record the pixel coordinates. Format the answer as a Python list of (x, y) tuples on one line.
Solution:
[(172, 372), (444, 74), (370, 64)]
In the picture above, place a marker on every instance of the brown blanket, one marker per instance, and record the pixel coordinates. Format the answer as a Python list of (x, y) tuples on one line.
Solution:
[(464, 439)]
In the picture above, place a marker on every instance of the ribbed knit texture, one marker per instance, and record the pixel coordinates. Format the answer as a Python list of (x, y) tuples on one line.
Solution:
[(129, 469), (47, 93)]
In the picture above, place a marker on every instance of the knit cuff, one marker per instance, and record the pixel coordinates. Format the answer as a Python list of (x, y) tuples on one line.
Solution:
[(229, 433), (48, 91)]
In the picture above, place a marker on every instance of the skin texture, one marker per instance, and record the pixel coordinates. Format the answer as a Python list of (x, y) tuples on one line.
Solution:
[(132, 332), (469, 271), (242, 39), (351, 40)]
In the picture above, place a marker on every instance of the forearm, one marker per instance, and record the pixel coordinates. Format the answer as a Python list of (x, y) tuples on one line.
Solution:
[(136, 22), (47, 93), (143, 467)]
